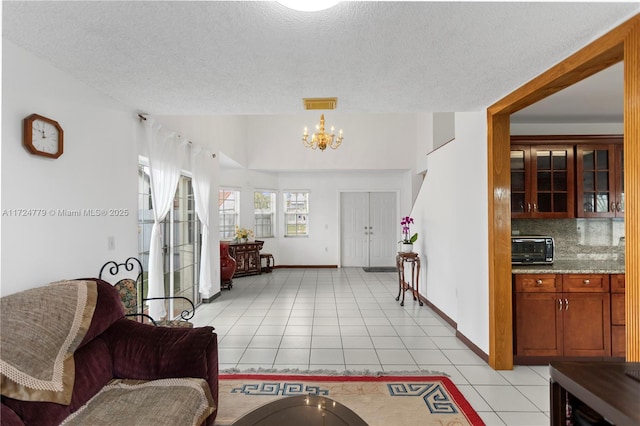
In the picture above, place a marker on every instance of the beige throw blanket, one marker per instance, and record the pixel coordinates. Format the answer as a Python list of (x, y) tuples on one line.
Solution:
[(41, 329), (165, 402)]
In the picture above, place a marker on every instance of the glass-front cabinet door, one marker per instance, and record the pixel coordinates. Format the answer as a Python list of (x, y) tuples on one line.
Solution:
[(600, 180), (542, 181), (520, 181), (553, 182)]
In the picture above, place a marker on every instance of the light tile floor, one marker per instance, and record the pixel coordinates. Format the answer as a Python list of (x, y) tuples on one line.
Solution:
[(348, 319)]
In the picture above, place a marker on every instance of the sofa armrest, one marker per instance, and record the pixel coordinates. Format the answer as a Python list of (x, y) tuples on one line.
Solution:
[(9, 417), (144, 352)]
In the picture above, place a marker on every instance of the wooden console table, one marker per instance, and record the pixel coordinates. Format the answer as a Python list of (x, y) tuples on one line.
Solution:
[(602, 386), (403, 284), (247, 256)]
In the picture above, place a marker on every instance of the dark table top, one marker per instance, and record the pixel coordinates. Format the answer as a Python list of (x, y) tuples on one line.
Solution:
[(308, 410), (603, 386)]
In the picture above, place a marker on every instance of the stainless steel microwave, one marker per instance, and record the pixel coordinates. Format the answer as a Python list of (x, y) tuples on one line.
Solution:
[(534, 249)]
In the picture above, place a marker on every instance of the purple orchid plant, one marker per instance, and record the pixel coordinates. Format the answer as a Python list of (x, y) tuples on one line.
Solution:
[(406, 230)]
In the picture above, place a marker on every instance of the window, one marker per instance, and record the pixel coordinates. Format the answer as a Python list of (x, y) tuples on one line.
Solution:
[(181, 238), (229, 209), (264, 208), (296, 214)]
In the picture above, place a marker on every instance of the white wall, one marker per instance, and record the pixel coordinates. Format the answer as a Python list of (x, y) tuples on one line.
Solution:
[(443, 128), (226, 134), (256, 144), (371, 142), (322, 246), (97, 171), (424, 142), (452, 220)]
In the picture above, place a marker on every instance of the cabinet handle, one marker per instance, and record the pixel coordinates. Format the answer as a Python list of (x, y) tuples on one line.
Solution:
[(535, 207), (528, 207), (538, 282), (559, 304), (619, 207), (613, 207), (586, 282), (566, 304)]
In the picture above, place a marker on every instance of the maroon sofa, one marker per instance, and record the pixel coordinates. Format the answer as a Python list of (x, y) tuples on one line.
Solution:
[(118, 348)]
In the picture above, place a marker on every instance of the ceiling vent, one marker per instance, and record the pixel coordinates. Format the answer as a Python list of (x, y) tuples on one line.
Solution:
[(320, 103)]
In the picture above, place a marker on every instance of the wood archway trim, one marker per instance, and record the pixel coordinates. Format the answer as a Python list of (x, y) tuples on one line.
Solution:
[(620, 44)]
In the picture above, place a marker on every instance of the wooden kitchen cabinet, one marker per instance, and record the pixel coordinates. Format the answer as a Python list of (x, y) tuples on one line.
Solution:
[(538, 315), (618, 337), (562, 315), (587, 324), (565, 176), (539, 328), (600, 180), (542, 181)]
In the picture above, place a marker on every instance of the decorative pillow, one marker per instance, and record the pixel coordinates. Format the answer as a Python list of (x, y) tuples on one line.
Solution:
[(128, 294), (41, 329)]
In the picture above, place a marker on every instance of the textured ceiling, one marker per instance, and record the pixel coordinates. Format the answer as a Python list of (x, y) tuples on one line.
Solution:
[(213, 57)]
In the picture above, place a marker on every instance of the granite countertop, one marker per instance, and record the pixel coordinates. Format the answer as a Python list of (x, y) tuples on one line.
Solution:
[(571, 266)]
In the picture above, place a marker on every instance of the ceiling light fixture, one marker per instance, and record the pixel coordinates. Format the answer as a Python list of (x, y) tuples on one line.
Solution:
[(308, 5), (320, 139)]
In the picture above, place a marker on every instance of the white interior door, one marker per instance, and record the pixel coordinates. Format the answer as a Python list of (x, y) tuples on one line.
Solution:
[(383, 227), (354, 221), (368, 225)]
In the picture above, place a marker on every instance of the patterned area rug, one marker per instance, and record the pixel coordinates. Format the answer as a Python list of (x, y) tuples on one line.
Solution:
[(378, 400)]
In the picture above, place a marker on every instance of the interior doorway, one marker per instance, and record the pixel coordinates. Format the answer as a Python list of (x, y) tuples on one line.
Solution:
[(368, 225), (621, 43)]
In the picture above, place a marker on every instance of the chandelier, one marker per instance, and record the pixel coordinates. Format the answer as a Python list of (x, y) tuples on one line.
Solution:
[(320, 139)]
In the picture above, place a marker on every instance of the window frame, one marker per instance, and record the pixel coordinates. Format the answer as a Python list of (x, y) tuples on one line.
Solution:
[(273, 213), (227, 233), (297, 213)]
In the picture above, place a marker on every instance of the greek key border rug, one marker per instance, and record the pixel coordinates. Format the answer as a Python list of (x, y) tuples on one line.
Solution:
[(378, 400)]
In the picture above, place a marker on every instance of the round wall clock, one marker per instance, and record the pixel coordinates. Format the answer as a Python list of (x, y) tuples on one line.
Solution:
[(43, 136)]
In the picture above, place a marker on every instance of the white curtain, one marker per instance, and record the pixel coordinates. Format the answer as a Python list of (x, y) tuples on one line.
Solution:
[(201, 162), (165, 159)]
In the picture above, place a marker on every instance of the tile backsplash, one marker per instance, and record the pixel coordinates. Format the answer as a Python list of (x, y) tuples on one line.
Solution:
[(597, 239)]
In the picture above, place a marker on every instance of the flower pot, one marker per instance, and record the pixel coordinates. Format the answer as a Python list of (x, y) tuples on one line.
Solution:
[(407, 248)]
